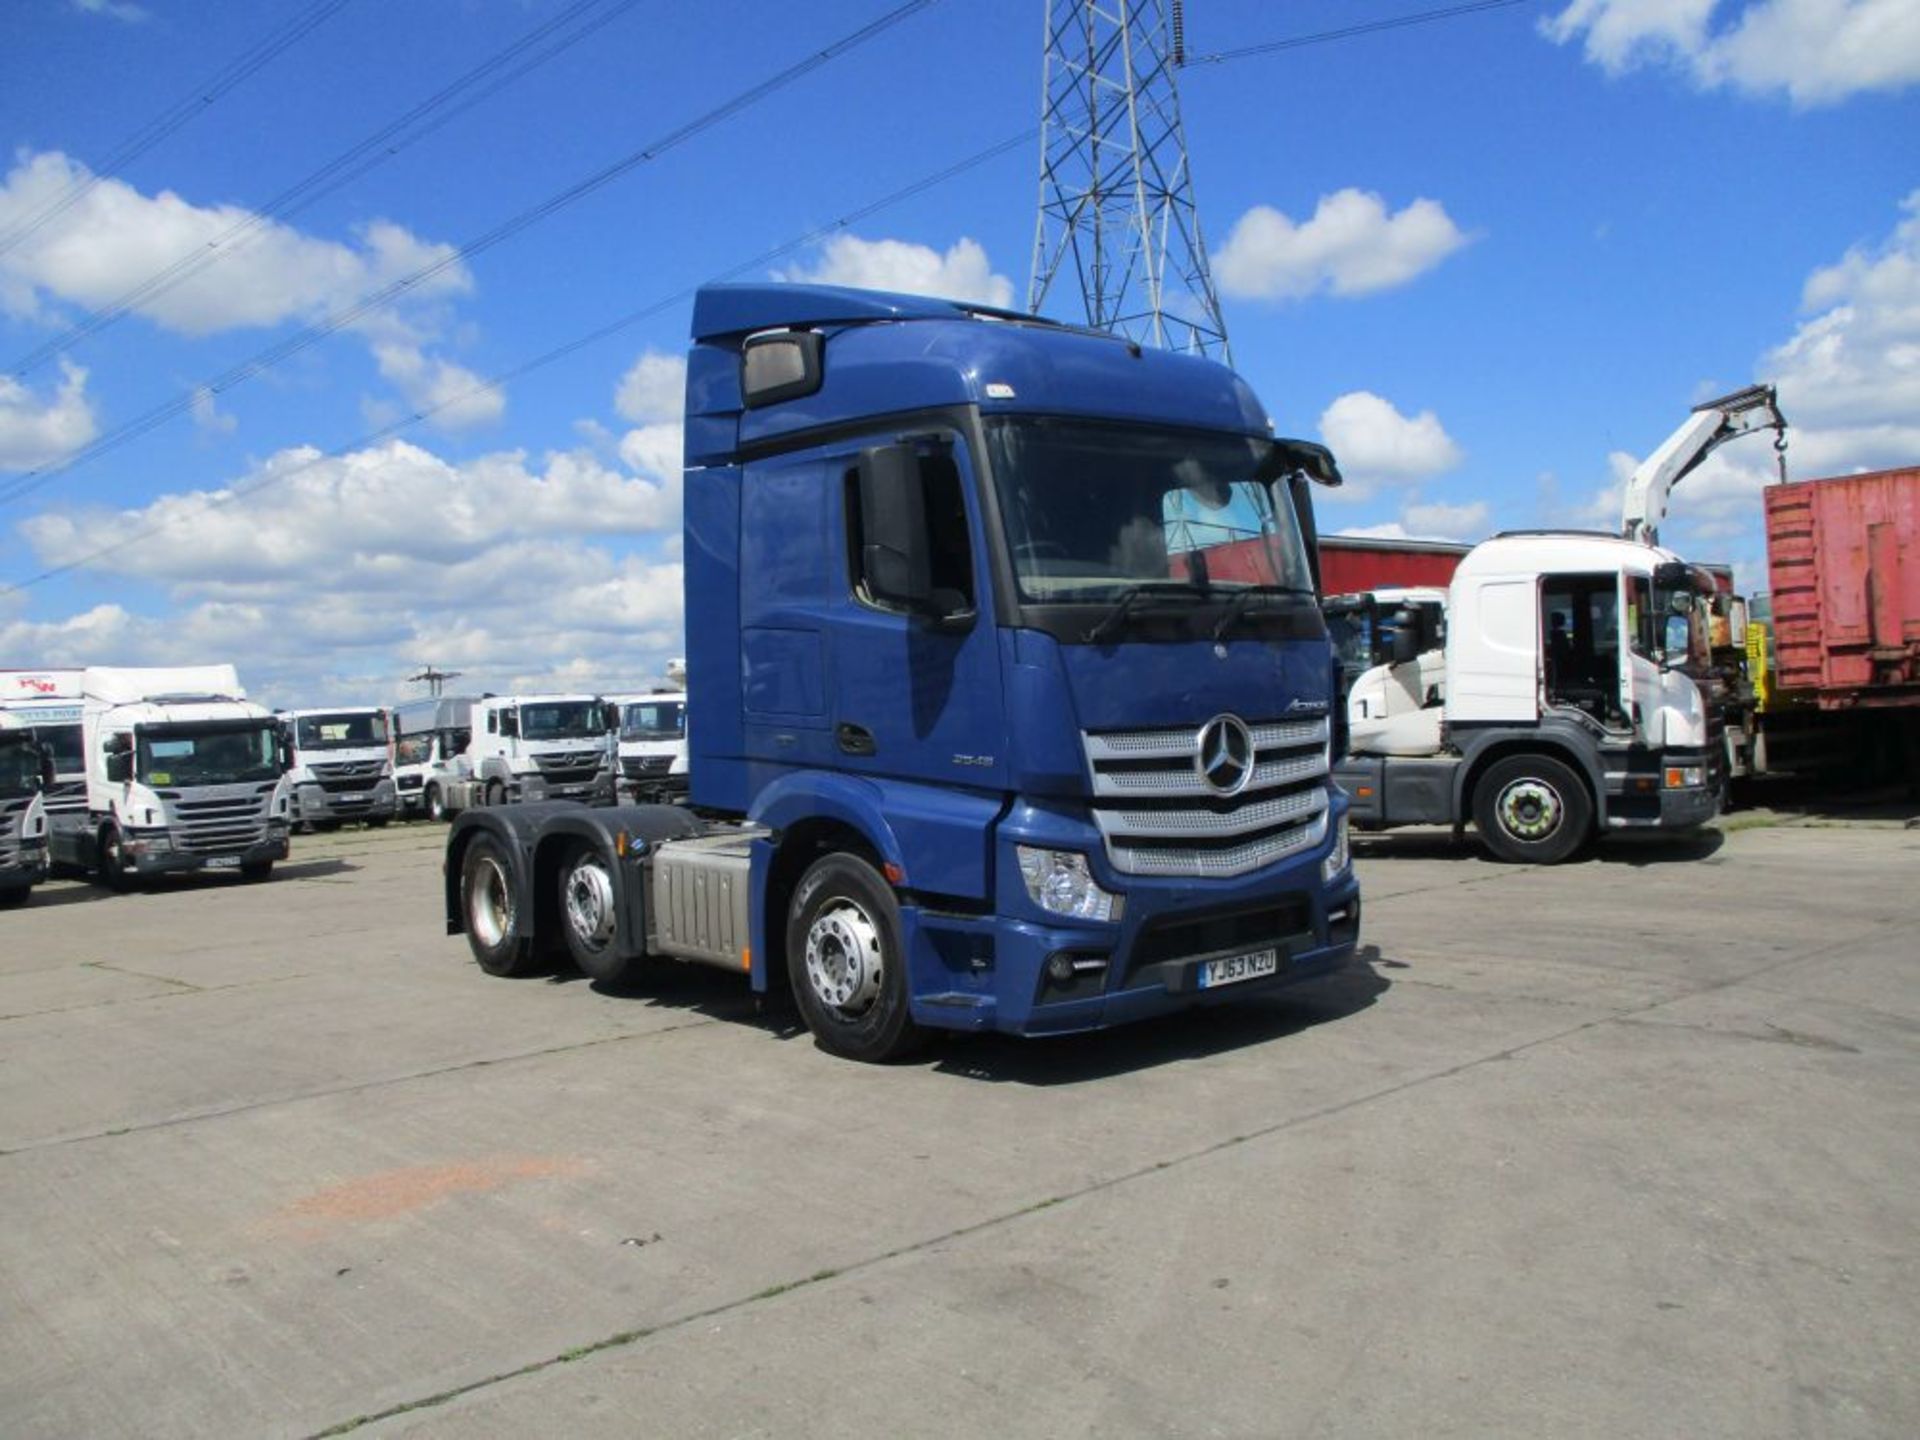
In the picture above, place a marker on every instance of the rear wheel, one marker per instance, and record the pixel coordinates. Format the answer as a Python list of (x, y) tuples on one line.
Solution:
[(490, 909), (847, 963), (589, 918), (1532, 810), (436, 803)]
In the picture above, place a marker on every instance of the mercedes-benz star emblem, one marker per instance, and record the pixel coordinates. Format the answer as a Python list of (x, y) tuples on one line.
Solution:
[(1224, 756)]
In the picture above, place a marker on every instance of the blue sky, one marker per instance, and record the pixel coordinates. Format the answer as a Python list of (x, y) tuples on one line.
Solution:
[(1492, 259)]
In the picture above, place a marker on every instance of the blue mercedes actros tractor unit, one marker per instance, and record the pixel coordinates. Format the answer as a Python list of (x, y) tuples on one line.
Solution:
[(1015, 707)]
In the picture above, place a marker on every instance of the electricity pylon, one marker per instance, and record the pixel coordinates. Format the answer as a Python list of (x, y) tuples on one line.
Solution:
[(1116, 191)]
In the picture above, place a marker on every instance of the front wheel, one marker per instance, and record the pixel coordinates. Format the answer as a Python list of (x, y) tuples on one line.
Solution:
[(490, 909), (114, 873), (1532, 810), (436, 803), (256, 872), (589, 917), (847, 963), (12, 897), (496, 793)]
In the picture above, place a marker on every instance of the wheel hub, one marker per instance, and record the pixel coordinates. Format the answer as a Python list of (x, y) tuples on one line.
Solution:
[(489, 909), (589, 901), (1530, 809), (843, 957)]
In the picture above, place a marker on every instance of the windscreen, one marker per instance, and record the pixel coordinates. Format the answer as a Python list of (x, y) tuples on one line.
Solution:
[(561, 720), (181, 755), (63, 742), (413, 749), (340, 732), (653, 720), (19, 766), (1092, 509)]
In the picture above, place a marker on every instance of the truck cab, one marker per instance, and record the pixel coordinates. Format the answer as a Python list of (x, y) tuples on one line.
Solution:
[(26, 770), (1016, 704), (48, 702), (1390, 646), (538, 747), (653, 745), (431, 738), (1574, 687), (341, 768), (183, 774)]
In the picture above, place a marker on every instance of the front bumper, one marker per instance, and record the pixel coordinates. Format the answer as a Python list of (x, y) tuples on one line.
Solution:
[(155, 855), (991, 972), (1640, 798), (28, 866), (597, 791), (314, 802)]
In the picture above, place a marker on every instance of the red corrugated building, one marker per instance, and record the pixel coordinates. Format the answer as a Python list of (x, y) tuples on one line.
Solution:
[(1352, 563)]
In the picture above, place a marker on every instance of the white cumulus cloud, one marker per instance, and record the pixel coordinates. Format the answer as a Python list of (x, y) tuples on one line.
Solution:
[(1352, 245), (963, 272), (36, 430), (1815, 52), (1375, 444), (449, 396), (653, 389)]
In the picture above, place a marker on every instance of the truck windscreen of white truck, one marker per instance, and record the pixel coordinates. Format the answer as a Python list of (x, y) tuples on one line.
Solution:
[(653, 720), (561, 720), (19, 767), (340, 732), (191, 755), (1093, 510)]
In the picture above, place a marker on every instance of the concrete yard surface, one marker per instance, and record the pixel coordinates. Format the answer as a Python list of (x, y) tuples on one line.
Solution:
[(1625, 1148)]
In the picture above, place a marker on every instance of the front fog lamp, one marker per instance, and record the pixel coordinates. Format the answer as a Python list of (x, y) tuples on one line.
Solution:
[(1338, 856), (1683, 777), (1059, 882)]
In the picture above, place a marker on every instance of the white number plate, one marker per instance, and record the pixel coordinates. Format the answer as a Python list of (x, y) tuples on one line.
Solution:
[(223, 862), (1239, 967)]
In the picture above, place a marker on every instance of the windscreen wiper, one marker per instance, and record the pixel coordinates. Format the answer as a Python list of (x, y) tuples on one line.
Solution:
[(1116, 616), (1243, 600)]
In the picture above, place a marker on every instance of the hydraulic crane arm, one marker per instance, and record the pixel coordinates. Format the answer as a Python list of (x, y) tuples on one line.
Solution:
[(1708, 428)]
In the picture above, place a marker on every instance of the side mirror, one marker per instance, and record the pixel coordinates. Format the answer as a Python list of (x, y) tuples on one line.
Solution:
[(1405, 644), (286, 750), (120, 766), (47, 775), (610, 719), (895, 551), (1675, 639), (510, 724), (119, 743), (1316, 462)]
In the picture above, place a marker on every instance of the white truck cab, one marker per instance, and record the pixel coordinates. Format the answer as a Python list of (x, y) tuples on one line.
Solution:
[(430, 742), (1570, 699), (537, 747), (25, 772), (1390, 646), (341, 767), (183, 774), (48, 703), (653, 746)]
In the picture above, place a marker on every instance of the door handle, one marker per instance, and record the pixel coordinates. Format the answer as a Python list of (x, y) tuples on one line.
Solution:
[(854, 739)]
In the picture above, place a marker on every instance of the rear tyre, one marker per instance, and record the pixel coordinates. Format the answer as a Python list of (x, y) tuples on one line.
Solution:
[(847, 963), (496, 793), (256, 872), (589, 918), (1532, 810), (436, 804), (490, 910), (113, 870)]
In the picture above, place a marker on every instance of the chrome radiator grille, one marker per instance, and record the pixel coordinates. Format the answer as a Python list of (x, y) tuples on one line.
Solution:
[(574, 767), (221, 823), (12, 813), (1163, 812)]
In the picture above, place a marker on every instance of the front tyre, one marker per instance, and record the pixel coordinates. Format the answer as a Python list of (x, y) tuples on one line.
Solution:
[(1532, 810), (847, 963), (589, 917), (490, 909), (113, 870), (260, 870), (436, 804)]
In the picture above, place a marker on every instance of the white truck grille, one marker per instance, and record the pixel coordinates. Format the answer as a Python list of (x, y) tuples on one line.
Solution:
[(219, 824), (1160, 815), (12, 814)]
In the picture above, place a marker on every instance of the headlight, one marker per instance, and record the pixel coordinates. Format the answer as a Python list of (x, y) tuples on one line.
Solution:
[(1059, 882), (1339, 856), (1681, 777)]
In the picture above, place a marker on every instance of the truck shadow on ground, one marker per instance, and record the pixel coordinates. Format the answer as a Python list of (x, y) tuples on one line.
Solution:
[(1652, 848), (1047, 1060), (72, 891)]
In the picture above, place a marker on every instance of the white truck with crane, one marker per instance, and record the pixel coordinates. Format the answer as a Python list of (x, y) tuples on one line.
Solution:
[(1566, 686), (184, 773), (26, 770)]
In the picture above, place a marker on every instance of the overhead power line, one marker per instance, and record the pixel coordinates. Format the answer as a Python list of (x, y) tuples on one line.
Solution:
[(559, 352), (490, 77), (171, 120), (1349, 32), (32, 480)]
